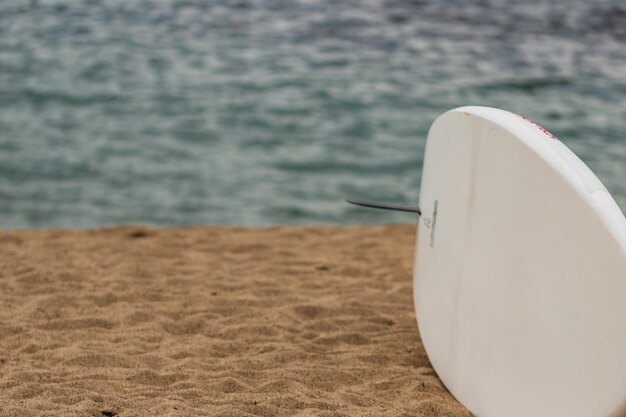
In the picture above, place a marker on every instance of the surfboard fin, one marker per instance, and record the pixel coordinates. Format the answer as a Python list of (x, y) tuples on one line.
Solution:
[(385, 206)]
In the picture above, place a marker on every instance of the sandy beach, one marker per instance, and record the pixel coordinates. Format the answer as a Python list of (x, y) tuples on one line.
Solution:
[(213, 321)]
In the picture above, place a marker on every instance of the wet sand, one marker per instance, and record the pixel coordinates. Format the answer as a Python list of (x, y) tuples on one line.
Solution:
[(213, 321)]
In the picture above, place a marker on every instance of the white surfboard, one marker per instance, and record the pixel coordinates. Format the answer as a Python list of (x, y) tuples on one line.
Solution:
[(520, 272)]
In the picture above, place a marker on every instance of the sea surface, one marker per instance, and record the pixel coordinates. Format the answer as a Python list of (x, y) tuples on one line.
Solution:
[(260, 112)]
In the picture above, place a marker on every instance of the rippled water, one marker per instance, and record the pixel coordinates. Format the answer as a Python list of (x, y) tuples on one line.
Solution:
[(271, 112)]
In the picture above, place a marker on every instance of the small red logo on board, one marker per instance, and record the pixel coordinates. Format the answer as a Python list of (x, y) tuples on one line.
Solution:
[(544, 130)]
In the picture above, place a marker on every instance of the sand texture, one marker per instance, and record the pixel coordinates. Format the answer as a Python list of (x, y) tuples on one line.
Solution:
[(213, 321)]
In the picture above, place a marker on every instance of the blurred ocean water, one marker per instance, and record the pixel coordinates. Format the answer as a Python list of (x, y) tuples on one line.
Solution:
[(259, 112)]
